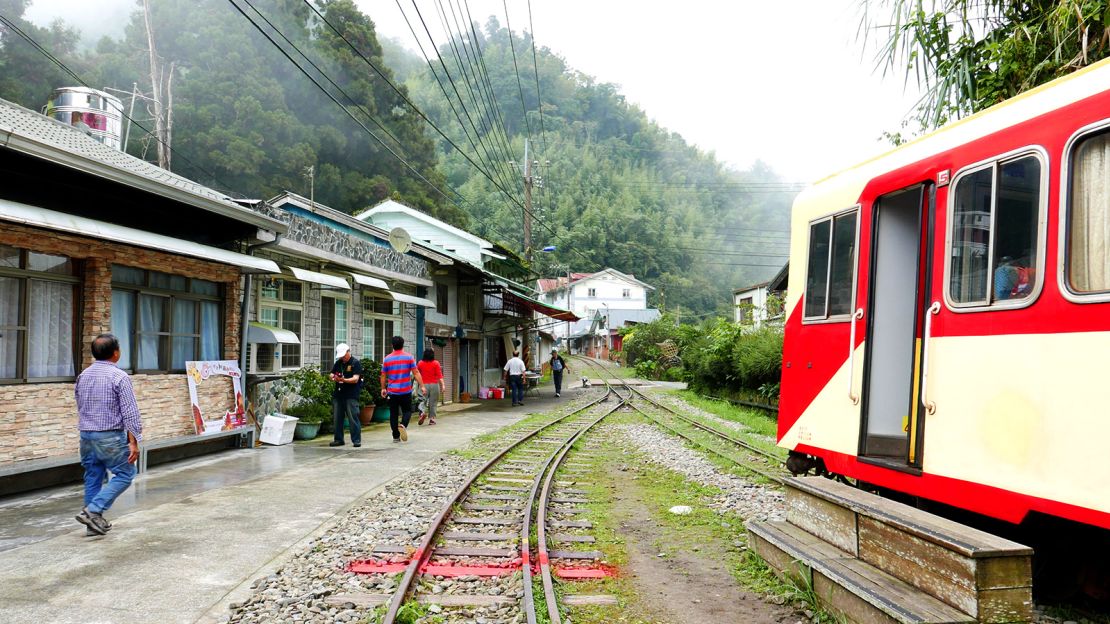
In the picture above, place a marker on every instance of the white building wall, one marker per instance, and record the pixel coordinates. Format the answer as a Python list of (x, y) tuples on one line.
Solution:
[(421, 231), (451, 319), (758, 313)]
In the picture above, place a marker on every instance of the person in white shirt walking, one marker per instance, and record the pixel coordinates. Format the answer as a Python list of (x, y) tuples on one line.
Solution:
[(514, 373)]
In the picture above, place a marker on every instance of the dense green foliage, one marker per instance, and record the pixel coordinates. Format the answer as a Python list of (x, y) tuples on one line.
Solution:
[(718, 356), (619, 191), (968, 55), (310, 412)]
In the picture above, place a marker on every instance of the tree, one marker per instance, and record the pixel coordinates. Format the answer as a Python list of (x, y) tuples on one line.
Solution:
[(26, 76), (968, 55)]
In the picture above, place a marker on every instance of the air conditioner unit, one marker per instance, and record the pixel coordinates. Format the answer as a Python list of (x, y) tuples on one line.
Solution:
[(264, 359)]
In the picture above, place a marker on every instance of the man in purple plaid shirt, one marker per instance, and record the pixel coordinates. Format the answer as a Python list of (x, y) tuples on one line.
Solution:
[(111, 429)]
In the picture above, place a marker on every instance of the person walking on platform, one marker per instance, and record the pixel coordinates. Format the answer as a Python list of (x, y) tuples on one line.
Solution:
[(398, 372), (558, 367), (110, 429), (431, 375), (514, 373), (346, 372)]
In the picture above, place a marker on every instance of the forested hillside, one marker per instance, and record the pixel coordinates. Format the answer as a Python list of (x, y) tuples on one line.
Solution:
[(618, 190)]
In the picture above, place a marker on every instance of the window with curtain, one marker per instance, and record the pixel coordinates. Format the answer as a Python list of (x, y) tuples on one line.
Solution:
[(334, 324), (830, 270), (38, 316), (164, 320), (381, 321), (494, 349), (1088, 223), (281, 304), (995, 240)]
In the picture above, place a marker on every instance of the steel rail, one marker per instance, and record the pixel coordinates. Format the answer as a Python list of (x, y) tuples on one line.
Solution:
[(541, 515), (694, 422), (745, 465), (424, 551)]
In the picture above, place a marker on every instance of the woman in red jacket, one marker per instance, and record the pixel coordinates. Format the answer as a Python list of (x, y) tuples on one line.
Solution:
[(432, 374)]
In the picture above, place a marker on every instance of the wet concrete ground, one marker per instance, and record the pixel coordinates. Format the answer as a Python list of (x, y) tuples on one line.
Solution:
[(188, 533)]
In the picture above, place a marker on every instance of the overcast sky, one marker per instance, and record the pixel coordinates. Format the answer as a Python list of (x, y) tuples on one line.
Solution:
[(784, 82)]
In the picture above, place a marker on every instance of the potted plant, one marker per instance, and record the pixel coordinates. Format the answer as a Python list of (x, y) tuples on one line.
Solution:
[(373, 408), (309, 418)]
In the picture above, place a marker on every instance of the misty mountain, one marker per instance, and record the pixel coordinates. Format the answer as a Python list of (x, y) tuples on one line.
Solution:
[(617, 189)]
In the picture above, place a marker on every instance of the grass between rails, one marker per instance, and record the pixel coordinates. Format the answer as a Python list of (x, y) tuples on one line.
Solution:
[(759, 421), (606, 530)]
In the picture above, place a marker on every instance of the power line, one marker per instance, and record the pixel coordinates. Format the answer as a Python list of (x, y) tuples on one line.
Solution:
[(53, 59), (476, 42), (536, 68), (491, 160), (488, 129), (516, 70), (397, 89), (482, 79)]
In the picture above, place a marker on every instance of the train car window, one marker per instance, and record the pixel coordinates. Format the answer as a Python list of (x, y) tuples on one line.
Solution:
[(995, 239), (817, 273), (1088, 266), (831, 267)]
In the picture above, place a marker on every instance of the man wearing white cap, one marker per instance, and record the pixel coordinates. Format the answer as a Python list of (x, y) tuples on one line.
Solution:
[(347, 375)]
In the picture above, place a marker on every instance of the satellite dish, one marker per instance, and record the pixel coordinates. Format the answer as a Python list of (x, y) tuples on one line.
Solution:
[(399, 240)]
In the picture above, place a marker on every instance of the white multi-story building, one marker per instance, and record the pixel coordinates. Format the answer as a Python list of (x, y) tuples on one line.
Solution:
[(592, 296)]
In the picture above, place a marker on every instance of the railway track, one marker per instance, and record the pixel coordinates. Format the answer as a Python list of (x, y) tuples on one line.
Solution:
[(484, 529), (760, 461)]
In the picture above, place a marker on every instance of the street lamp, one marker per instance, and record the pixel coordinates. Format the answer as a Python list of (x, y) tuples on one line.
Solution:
[(551, 249)]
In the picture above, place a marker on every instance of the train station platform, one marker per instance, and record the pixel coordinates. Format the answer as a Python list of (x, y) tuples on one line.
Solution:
[(188, 534)]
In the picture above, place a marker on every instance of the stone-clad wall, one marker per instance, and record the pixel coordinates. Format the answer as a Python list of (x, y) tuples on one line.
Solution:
[(39, 420), (326, 238)]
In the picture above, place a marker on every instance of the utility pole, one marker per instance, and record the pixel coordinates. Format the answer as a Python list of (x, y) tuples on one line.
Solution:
[(527, 205), (310, 173), (162, 95)]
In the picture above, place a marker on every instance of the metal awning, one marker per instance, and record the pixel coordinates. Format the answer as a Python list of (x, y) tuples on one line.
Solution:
[(62, 222), (260, 333), (319, 278), (417, 301), (545, 309), (369, 282)]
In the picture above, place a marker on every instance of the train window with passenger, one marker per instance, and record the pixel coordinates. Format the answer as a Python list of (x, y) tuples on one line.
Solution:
[(995, 238), (830, 270), (1088, 217)]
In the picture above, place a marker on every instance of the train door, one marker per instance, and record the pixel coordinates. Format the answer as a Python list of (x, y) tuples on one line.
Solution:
[(900, 234)]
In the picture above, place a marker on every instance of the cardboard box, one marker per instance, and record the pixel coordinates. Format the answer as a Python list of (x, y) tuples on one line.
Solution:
[(277, 429)]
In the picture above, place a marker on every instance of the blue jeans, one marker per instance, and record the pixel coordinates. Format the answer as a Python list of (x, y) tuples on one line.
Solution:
[(103, 452), (516, 383), (346, 409), (557, 377)]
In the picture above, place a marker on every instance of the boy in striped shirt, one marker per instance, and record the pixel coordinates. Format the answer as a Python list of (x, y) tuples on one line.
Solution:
[(398, 372)]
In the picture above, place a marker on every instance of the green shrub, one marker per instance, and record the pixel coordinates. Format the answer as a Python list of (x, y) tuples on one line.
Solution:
[(311, 412), (371, 393), (757, 358), (311, 385)]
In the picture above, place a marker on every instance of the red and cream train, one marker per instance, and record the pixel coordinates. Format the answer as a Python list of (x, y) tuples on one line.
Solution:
[(948, 312)]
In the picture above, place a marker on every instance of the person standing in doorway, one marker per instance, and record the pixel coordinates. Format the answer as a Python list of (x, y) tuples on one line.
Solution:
[(431, 375), (398, 373), (514, 373), (558, 367), (346, 372), (110, 428)]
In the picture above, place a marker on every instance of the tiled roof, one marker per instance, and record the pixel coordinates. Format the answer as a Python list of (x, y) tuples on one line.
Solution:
[(27, 131)]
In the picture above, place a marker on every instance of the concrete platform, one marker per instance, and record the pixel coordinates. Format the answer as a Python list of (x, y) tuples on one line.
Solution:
[(188, 534)]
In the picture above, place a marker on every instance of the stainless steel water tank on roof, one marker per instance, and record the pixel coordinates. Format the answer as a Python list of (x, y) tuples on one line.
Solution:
[(96, 113)]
